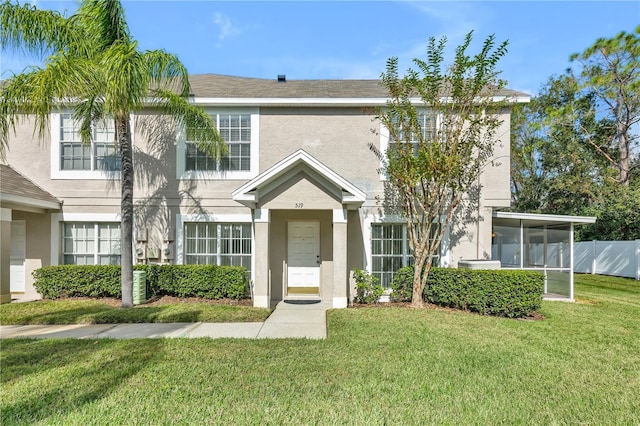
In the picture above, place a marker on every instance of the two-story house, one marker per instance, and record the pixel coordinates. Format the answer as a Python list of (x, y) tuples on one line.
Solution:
[(298, 200)]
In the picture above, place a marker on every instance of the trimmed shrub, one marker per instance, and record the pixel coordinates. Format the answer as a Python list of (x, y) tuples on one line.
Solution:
[(368, 288), (508, 293), (53, 282), (207, 281), (402, 284)]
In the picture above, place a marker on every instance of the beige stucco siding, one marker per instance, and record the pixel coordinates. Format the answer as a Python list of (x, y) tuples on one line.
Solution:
[(495, 179), (337, 137)]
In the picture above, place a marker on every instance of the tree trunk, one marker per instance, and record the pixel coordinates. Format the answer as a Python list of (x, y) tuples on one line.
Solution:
[(126, 209), (623, 146), (418, 287)]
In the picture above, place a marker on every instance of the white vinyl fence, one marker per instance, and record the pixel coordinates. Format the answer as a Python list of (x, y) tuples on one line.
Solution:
[(619, 258)]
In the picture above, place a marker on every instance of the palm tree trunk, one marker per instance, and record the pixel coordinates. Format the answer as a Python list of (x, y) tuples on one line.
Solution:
[(126, 209)]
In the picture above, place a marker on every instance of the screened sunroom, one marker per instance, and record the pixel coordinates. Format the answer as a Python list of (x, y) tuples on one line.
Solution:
[(538, 242)]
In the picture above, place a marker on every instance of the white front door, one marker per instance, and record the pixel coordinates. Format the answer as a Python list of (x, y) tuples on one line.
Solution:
[(18, 254), (303, 262)]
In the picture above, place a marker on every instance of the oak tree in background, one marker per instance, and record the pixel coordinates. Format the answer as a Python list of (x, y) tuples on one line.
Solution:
[(94, 68), (442, 123), (572, 147), (556, 161)]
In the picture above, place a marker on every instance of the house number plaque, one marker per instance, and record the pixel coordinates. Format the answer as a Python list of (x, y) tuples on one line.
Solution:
[(299, 205)]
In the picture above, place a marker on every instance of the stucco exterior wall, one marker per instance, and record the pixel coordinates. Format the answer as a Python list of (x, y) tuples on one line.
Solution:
[(338, 137)]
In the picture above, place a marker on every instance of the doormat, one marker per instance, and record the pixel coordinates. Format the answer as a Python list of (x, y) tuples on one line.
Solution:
[(301, 302)]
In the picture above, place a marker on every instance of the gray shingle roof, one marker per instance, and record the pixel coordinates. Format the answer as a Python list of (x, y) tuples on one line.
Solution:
[(224, 86), (13, 183)]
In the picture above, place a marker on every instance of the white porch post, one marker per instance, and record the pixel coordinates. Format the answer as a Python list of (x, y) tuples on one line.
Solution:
[(340, 277), (571, 262), (262, 280), (5, 255)]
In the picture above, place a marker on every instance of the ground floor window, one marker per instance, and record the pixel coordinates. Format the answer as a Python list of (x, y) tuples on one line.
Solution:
[(390, 250), (91, 243), (218, 244)]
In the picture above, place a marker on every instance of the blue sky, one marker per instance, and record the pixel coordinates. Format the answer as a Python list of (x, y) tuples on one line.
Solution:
[(344, 40)]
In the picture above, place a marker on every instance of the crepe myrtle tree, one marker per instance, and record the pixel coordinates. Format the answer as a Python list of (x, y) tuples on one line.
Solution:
[(93, 67), (442, 123)]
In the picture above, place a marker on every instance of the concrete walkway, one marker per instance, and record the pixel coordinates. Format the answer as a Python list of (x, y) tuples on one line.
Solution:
[(288, 320)]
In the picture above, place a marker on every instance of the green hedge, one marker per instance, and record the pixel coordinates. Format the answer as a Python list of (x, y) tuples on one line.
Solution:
[(207, 281), (509, 293)]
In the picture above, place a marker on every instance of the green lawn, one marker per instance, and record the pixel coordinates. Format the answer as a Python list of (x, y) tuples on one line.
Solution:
[(581, 365), (69, 311)]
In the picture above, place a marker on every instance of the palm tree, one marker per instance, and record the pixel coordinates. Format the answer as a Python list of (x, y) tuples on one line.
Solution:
[(94, 68)]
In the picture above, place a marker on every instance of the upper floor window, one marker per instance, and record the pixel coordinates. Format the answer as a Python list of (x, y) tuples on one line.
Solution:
[(235, 130), (239, 130), (100, 154), (427, 122), (72, 159)]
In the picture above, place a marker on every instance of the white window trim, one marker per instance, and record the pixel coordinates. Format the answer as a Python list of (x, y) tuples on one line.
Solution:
[(384, 144), (58, 218), (181, 219), (56, 170), (181, 149)]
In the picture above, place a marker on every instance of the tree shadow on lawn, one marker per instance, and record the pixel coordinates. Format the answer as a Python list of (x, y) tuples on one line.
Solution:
[(146, 314), (77, 315), (104, 314), (88, 370)]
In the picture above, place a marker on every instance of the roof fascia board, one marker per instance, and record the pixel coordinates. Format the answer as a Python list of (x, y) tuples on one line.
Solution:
[(544, 217), (206, 101), (28, 201)]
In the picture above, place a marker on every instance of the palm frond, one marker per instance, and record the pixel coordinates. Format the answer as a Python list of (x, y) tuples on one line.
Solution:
[(125, 87), (105, 22), (37, 32), (165, 71), (42, 90), (200, 125), (88, 112)]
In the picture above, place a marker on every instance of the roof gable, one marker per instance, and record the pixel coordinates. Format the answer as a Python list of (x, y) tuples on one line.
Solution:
[(300, 161)]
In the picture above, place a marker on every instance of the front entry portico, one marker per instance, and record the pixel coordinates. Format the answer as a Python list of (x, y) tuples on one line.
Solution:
[(300, 209)]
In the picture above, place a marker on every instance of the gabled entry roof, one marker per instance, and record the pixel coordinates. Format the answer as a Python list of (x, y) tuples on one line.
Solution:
[(15, 189), (249, 193)]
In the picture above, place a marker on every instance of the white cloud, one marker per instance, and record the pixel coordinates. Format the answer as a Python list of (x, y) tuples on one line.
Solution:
[(226, 27)]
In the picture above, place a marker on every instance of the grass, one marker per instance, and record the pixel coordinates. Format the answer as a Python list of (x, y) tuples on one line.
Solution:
[(69, 311), (378, 366)]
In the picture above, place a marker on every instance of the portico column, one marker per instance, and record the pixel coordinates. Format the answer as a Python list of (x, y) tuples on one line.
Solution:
[(5, 255), (262, 273), (340, 276)]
